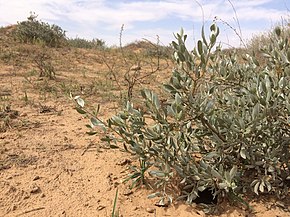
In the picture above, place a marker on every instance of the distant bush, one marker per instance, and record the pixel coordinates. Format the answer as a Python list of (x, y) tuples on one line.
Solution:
[(159, 51), (35, 31), (259, 41), (150, 49), (88, 44)]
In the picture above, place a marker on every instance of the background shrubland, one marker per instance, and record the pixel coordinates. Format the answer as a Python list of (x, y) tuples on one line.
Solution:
[(87, 44), (37, 32)]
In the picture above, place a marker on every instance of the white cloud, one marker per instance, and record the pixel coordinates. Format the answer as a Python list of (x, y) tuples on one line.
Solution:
[(103, 18)]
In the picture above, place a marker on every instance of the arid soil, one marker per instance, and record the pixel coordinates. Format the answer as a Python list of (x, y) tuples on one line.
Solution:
[(49, 166)]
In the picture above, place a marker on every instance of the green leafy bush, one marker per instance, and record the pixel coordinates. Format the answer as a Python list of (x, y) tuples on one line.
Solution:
[(35, 31), (225, 125)]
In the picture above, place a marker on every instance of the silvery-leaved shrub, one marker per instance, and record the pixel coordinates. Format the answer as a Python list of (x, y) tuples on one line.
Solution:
[(224, 127)]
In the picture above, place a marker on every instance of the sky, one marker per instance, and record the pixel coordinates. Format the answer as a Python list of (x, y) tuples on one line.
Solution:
[(146, 19)]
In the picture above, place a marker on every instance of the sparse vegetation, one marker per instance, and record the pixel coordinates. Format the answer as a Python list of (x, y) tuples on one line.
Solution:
[(135, 65), (219, 126)]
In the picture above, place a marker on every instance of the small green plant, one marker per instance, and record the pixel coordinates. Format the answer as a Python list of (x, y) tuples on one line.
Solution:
[(6, 117), (35, 31), (224, 128), (45, 66), (25, 98), (115, 213), (138, 173), (7, 55)]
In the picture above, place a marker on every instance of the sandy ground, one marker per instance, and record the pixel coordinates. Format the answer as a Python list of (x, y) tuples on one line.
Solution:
[(49, 166)]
